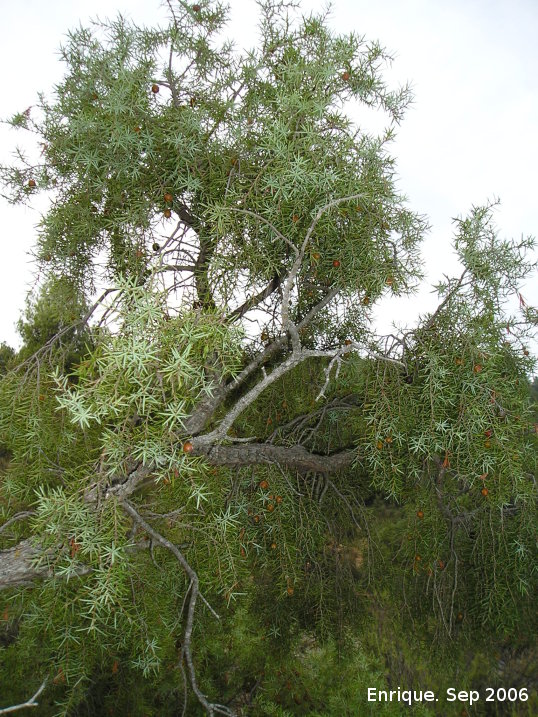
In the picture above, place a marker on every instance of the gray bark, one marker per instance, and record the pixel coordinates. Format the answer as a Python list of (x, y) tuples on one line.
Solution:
[(17, 564), (295, 457)]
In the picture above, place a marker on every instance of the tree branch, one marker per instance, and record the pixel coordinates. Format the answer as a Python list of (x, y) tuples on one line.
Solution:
[(18, 565), (295, 457), (430, 322), (244, 454), (244, 402), (15, 518), (249, 304), (29, 703), (201, 268), (207, 407), (75, 326), (210, 708), (287, 324)]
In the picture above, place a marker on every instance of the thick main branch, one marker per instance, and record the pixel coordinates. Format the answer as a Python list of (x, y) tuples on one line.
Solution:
[(19, 564), (295, 457)]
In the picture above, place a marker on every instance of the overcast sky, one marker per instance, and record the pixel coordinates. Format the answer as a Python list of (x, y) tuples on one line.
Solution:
[(469, 137)]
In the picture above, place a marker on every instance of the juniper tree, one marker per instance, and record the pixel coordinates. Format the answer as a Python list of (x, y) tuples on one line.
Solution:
[(199, 431)]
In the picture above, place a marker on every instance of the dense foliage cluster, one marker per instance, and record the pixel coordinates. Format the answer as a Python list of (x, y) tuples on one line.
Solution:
[(222, 491)]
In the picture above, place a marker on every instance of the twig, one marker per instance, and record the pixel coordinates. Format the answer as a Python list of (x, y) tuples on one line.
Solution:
[(429, 323), (77, 325), (253, 301), (269, 224), (242, 404), (210, 708), (29, 703), (17, 516), (338, 360)]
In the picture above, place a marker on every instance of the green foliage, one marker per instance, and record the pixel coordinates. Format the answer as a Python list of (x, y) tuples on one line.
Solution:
[(244, 229), (148, 376), (236, 139), (7, 354), (54, 324)]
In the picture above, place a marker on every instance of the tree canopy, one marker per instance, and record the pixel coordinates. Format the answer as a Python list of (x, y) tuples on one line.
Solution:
[(213, 462)]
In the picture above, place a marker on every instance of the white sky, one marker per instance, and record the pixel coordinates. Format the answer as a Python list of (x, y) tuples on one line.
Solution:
[(470, 136)]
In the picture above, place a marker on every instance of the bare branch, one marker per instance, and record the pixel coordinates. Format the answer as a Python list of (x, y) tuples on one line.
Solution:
[(338, 360), (120, 489), (29, 703), (16, 517), (210, 708), (287, 323), (295, 457), (249, 304), (245, 401), (207, 407), (18, 565)]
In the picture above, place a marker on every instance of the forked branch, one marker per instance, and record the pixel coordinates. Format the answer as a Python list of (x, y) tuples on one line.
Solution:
[(194, 592), (29, 703)]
